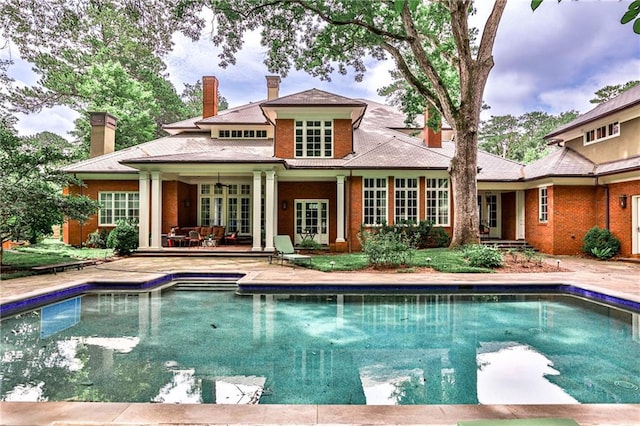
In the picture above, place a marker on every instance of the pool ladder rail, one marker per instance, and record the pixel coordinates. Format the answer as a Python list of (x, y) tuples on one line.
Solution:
[(206, 283)]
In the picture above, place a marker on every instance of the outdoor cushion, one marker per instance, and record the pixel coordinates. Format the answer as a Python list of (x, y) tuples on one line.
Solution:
[(285, 250)]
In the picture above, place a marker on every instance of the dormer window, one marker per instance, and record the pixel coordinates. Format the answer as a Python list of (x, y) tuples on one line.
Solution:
[(314, 138), (601, 133)]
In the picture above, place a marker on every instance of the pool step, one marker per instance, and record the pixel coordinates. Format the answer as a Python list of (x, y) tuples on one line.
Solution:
[(204, 283)]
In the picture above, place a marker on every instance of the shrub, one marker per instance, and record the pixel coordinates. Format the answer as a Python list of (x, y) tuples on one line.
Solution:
[(310, 244), (388, 246), (98, 239), (123, 238), (600, 243), (482, 256)]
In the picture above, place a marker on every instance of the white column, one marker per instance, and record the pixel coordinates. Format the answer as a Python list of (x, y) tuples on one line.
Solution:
[(276, 205), (340, 209), (269, 199), (257, 212), (520, 215), (143, 218), (156, 210)]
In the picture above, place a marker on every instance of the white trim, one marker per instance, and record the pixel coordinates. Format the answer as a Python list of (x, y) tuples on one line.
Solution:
[(437, 190), (386, 198), (143, 210), (613, 127), (320, 238), (269, 200), (156, 210), (520, 215), (635, 224), (305, 143), (256, 228), (340, 209), (113, 221), (540, 212)]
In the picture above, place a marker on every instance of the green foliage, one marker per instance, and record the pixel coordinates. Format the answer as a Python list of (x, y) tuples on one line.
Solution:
[(600, 243), (521, 138), (98, 239), (632, 13), (482, 256), (97, 56), (609, 92), (123, 238), (310, 244), (192, 98), (388, 246), (31, 198)]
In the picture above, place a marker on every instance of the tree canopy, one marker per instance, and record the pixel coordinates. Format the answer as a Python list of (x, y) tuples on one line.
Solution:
[(31, 198)]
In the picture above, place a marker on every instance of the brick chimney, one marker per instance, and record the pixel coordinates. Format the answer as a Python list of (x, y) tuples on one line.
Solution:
[(103, 133), (209, 96), (273, 87), (431, 138)]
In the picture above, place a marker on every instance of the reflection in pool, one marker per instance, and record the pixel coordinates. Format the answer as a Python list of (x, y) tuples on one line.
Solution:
[(217, 347)]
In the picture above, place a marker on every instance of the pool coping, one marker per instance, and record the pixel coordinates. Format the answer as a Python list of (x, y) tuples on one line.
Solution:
[(247, 286)]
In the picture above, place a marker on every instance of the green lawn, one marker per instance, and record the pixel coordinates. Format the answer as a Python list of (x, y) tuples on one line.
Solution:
[(440, 259), (19, 261)]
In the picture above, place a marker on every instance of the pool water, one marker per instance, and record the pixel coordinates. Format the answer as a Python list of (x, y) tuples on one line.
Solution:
[(216, 347)]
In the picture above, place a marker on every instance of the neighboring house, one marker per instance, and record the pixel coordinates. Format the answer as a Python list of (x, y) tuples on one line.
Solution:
[(593, 180), (310, 165)]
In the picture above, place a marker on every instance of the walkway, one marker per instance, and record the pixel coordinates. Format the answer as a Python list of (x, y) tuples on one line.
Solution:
[(615, 278)]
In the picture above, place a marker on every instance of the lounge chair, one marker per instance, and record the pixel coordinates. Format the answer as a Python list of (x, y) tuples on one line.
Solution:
[(285, 250)]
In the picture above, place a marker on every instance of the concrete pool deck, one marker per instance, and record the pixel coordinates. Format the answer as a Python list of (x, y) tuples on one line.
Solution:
[(621, 279)]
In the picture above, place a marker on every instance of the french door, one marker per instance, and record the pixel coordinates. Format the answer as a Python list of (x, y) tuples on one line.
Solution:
[(312, 221)]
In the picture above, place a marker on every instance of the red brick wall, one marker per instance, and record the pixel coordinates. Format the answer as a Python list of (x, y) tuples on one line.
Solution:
[(291, 191), (342, 138), (354, 214), (573, 210), (620, 220), (508, 215), (284, 141), (76, 233), (538, 234), (574, 213)]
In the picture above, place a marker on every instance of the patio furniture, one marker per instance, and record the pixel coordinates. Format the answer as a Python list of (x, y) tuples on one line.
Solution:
[(195, 239), (285, 250), (232, 238), (176, 240)]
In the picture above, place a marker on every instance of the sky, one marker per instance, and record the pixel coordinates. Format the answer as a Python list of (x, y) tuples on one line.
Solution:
[(551, 60)]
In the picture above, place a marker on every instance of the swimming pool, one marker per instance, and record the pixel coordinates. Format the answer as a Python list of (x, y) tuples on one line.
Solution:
[(218, 347)]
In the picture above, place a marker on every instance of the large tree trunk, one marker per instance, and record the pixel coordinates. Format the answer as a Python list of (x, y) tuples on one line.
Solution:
[(466, 223)]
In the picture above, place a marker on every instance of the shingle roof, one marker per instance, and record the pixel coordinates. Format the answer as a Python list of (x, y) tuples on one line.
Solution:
[(563, 162), (624, 100), (618, 166), (313, 97), (245, 114)]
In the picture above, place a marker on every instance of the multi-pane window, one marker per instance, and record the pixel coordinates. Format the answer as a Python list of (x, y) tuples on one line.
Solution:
[(543, 206), (374, 199), (239, 208), (211, 202), (406, 200), (314, 138), (602, 132), (437, 201), (242, 134), (115, 206)]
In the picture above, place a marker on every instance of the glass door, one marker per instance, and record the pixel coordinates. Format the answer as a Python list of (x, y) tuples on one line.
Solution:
[(312, 221)]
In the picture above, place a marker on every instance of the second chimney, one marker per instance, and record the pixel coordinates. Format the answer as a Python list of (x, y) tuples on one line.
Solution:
[(209, 96), (273, 87), (103, 133), (431, 139)]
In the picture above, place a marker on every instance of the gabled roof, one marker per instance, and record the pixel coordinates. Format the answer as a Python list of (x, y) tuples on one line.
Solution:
[(564, 162), (313, 97), (624, 100)]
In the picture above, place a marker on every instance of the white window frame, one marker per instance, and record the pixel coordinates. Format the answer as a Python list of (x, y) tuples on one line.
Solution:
[(131, 209), (378, 196), (601, 133), (543, 204), (407, 191), (437, 198), (301, 127)]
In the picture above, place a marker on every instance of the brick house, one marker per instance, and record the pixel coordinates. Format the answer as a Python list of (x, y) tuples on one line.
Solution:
[(309, 164), (592, 180)]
